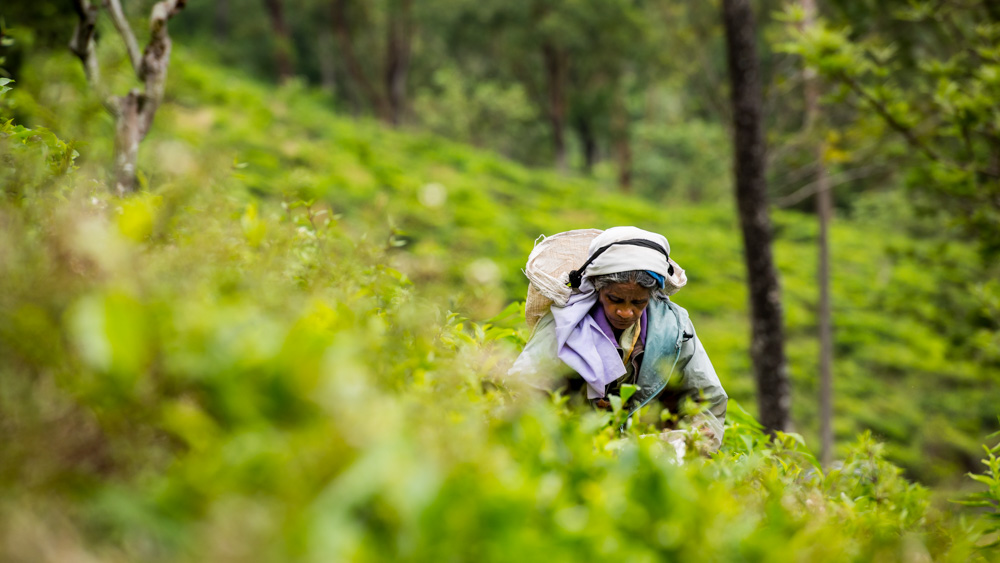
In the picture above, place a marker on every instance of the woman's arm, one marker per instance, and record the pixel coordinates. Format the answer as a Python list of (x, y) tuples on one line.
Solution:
[(699, 382)]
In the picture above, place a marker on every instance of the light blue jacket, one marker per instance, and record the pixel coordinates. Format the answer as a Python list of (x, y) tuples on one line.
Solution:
[(673, 357)]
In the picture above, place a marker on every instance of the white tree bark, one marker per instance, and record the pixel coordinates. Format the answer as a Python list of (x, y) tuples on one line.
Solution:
[(121, 24), (83, 46), (133, 112)]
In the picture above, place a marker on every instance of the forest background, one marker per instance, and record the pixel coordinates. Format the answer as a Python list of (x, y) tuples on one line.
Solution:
[(334, 204)]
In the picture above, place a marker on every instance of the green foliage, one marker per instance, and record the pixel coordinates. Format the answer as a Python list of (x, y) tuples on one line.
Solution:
[(459, 224), (685, 160), (35, 157), (908, 92), (276, 352), (937, 93), (488, 114), (294, 385), (32, 158), (988, 500)]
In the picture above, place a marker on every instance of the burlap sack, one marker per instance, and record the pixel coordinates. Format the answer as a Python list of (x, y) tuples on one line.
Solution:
[(548, 270)]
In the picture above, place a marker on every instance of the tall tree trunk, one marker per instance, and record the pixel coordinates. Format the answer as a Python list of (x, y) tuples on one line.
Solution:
[(398, 58), (824, 212), (221, 19), (327, 60), (623, 152), (622, 141), (127, 138), (767, 336), (282, 40), (342, 30), (588, 143), (556, 73)]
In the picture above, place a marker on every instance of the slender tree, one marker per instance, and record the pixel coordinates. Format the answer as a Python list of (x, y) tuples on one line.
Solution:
[(282, 39), (575, 60), (397, 57), (926, 74), (343, 31), (556, 70), (588, 142), (767, 332), (134, 111), (325, 54), (620, 138), (388, 96), (221, 20), (824, 213)]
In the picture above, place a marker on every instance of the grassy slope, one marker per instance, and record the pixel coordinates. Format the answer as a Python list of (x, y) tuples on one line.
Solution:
[(200, 373), (895, 375)]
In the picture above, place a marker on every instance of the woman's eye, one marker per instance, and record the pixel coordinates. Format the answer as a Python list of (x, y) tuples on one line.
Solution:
[(615, 299)]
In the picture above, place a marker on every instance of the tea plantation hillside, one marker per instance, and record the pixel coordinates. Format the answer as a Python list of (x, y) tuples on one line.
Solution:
[(267, 354)]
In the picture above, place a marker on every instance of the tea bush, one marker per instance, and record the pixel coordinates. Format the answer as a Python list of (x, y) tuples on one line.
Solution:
[(267, 355)]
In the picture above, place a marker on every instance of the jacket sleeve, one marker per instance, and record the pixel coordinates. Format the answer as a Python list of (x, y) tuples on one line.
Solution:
[(539, 365), (699, 381)]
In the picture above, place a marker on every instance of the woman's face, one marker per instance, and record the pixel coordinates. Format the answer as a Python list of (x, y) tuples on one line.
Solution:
[(623, 303)]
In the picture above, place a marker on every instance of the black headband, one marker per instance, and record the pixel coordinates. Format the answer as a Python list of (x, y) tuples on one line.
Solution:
[(576, 276)]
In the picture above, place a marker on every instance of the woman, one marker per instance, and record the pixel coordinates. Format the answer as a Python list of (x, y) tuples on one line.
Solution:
[(619, 327)]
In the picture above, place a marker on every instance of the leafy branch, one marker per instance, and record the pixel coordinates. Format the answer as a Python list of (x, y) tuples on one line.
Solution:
[(990, 498), (893, 122)]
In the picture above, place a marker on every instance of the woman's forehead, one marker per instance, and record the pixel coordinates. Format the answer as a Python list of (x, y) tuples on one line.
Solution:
[(629, 289)]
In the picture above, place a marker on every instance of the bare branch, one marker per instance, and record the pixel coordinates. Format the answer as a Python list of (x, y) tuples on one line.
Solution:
[(134, 111), (811, 188), (82, 43), (125, 30), (155, 59), (162, 12), (84, 47), (794, 175)]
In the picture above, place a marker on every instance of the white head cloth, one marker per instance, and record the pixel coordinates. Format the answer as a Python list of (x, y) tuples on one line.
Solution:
[(581, 344), (627, 257)]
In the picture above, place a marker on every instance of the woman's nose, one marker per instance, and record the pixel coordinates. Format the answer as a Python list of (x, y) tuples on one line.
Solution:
[(626, 313)]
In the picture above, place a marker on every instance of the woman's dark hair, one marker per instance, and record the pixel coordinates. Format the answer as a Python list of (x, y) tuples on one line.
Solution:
[(639, 277)]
